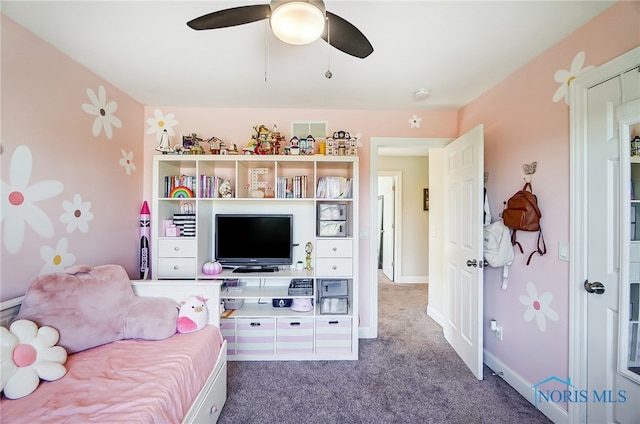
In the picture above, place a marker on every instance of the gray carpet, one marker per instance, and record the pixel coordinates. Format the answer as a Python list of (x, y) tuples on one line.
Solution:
[(409, 374)]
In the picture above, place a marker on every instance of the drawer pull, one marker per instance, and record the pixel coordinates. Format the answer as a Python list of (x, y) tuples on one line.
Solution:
[(176, 248), (255, 324), (294, 324), (213, 410), (335, 249), (334, 322), (176, 267), (334, 267)]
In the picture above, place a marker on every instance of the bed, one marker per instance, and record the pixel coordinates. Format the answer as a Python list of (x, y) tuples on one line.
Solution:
[(182, 378)]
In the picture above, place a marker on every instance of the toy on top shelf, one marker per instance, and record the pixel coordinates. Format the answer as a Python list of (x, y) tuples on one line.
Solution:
[(191, 144), (341, 144)]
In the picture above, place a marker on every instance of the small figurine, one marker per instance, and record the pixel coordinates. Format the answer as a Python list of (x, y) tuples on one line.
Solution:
[(310, 145), (164, 145), (214, 145), (294, 148), (308, 248)]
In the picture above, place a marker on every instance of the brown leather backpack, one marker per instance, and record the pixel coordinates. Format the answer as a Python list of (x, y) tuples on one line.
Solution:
[(521, 212)]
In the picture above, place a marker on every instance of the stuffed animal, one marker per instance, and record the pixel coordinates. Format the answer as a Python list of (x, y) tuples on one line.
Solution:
[(29, 354), (192, 315)]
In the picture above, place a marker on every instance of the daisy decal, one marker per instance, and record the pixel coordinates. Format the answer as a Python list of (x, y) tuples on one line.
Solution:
[(127, 161), (565, 77), (415, 121), (28, 354), (159, 123), (103, 112), (18, 201), (538, 307), (56, 260), (76, 214)]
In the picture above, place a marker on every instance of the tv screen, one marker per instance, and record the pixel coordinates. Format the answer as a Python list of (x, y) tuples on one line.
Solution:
[(259, 242)]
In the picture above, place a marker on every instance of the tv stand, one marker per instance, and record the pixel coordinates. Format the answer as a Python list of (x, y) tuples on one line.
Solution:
[(248, 269), (322, 194)]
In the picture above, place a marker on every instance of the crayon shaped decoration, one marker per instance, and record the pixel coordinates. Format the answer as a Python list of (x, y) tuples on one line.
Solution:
[(145, 216)]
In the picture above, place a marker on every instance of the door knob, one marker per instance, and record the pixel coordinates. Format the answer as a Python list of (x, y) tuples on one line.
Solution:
[(595, 287), (472, 262)]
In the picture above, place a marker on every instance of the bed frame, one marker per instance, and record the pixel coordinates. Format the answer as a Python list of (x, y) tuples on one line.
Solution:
[(208, 404)]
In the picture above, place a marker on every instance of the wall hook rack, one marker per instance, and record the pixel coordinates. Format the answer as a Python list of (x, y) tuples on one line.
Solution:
[(529, 169)]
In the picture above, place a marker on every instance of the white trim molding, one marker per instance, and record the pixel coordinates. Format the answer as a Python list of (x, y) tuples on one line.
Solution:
[(578, 219)]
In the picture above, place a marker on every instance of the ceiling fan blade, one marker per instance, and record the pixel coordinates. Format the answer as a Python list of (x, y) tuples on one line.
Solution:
[(346, 37), (231, 17)]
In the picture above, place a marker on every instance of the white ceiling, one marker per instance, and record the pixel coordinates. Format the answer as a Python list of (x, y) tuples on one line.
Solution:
[(457, 50)]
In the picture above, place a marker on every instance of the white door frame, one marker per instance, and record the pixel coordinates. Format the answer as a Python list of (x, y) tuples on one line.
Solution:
[(578, 221), (374, 144)]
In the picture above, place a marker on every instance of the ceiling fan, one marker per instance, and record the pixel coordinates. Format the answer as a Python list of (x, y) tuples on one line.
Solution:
[(295, 22)]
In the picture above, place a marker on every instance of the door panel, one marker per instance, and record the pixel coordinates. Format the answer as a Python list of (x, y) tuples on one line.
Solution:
[(463, 245), (604, 227)]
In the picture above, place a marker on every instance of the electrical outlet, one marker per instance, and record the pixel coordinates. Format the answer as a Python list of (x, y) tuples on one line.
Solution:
[(498, 332)]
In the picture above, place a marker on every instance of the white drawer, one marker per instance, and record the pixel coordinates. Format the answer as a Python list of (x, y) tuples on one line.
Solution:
[(334, 248), (177, 268), (334, 267), (177, 247), (634, 252), (211, 406)]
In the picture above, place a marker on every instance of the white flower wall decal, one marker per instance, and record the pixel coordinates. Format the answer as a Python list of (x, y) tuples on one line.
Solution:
[(161, 122), (565, 77), (126, 161), (538, 307), (76, 214), (103, 111), (415, 121), (56, 260), (18, 201)]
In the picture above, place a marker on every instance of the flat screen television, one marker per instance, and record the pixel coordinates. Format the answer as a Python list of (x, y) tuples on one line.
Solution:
[(254, 242)]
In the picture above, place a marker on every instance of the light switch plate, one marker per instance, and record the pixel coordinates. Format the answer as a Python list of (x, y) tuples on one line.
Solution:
[(563, 251)]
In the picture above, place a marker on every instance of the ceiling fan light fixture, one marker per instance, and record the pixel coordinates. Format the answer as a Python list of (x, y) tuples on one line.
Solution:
[(297, 22)]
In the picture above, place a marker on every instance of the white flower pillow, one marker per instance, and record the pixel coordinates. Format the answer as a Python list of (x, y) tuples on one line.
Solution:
[(28, 354)]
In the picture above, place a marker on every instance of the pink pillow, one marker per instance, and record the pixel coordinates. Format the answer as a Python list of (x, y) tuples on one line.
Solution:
[(92, 306)]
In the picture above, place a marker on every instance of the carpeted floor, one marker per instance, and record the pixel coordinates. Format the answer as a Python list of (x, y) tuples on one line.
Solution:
[(409, 374)]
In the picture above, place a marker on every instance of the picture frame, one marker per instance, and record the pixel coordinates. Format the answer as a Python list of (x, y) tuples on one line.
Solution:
[(425, 199)]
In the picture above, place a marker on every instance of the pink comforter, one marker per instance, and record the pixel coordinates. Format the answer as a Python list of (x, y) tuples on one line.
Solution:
[(128, 381)]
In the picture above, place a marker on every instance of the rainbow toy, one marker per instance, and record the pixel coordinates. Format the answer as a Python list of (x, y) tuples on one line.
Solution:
[(181, 192)]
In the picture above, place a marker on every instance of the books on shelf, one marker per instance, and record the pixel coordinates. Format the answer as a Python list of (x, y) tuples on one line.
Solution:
[(294, 187), (334, 188), (173, 181), (210, 187)]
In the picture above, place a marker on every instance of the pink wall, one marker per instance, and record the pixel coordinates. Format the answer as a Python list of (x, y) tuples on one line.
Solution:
[(236, 126), (66, 198), (523, 124)]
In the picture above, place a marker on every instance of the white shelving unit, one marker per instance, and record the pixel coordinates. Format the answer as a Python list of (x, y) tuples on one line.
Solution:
[(258, 330)]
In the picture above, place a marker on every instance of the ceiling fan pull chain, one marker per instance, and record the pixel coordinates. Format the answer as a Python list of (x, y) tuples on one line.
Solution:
[(328, 74), (266, 22)]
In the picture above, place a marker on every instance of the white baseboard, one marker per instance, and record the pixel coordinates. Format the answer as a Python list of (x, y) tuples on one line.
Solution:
[(435, 315), (412, 279), (366, 333), (553, 411)]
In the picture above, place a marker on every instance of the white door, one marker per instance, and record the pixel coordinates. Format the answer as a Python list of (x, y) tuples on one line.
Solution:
[(387, 187), (617, 396), (600, 242), (463, 255)]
